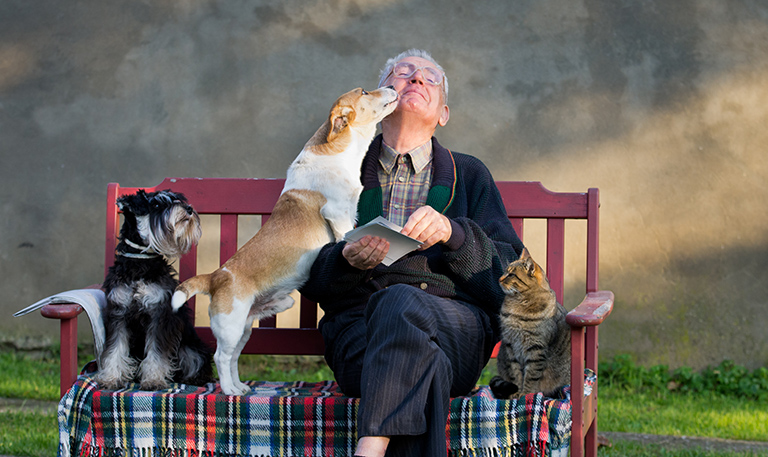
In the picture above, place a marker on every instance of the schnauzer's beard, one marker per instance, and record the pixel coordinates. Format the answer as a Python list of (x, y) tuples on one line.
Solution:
[(172, 233)]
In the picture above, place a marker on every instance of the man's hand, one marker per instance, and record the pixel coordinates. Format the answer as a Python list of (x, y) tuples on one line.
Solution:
[(366, 253), (428, 226), (425, 224)]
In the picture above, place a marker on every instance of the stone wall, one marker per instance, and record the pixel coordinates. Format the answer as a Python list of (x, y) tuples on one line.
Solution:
[(662, 105)]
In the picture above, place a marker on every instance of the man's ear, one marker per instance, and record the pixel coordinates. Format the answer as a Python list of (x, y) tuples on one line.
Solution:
[(444, 116), (340, 118)]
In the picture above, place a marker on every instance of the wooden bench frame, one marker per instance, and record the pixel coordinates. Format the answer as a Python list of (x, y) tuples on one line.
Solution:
[(232, 197)]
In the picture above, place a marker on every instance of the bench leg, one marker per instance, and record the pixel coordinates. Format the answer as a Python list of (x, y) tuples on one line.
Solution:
[(590, 440), (591, 348), (577, 391), (68, 360)]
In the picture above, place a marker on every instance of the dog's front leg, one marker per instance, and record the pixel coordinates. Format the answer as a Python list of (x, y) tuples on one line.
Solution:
[(116, 366), (162, 342), (235, 372), (338, 218), (229, 330)]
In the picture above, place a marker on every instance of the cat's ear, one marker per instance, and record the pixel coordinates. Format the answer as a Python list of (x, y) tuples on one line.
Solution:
[(530, 265)]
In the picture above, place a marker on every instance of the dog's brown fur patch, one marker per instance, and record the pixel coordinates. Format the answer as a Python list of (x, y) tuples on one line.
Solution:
[(296, 226)]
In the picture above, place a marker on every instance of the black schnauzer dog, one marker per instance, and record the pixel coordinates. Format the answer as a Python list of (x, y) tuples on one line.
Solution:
[(146, 341)]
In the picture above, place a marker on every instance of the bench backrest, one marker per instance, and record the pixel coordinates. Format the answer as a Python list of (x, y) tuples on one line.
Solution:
[(231, 198)]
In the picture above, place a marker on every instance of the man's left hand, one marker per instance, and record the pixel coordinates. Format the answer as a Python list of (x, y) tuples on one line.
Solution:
[(428, 226)]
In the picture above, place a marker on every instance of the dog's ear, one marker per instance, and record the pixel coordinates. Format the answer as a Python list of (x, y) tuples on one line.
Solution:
[(175, 195), (137, 203), (341, 117)]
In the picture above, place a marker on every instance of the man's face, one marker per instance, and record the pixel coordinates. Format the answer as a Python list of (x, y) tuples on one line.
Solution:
[(418, 96)]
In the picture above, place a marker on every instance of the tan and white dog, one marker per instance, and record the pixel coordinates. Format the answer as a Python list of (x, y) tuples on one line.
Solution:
[(317, 205)]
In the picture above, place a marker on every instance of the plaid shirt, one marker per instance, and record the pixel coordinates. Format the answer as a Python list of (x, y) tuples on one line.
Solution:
[(405, 180)]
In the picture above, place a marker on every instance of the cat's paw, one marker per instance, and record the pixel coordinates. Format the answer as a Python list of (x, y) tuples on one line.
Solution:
[(502, 389)]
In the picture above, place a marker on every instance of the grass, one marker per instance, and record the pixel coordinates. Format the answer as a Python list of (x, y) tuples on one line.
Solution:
[(33, 378), (628, 449), (29, 434), (632, 399), (661, 413)]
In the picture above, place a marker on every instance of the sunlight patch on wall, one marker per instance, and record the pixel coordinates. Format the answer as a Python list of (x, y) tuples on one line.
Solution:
[(16, 63)]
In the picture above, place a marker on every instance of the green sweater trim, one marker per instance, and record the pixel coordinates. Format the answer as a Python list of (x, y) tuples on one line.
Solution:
[(440, 198), (369, 207)]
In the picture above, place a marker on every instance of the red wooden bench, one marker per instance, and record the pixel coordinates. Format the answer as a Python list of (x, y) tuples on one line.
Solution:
[(230, 198)]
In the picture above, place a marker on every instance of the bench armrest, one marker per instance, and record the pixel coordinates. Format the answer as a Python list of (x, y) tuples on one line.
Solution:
[(593, 310), (67, 313), (61, 311), (64, 311)]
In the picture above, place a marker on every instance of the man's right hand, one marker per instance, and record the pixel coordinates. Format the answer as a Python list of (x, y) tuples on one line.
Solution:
[(366, 253)]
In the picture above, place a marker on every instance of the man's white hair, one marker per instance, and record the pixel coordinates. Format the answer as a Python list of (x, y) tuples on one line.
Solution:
[(387, 70)]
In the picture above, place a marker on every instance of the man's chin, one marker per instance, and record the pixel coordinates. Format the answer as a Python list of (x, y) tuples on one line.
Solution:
[(413, 96), (414, 103)]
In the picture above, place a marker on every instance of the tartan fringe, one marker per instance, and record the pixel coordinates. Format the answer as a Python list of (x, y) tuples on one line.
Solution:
[(94, 451), (514, 451)]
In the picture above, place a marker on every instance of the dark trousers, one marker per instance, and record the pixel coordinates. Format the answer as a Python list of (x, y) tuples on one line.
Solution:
[(405, 355)]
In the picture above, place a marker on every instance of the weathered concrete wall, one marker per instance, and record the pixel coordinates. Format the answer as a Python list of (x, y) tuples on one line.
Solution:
[(662, 105)]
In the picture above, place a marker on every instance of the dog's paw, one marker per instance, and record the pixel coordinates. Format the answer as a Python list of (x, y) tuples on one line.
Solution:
[(503, 389), (109, 385), (153, 384), (242, 388), (233, 391), (111, 380)]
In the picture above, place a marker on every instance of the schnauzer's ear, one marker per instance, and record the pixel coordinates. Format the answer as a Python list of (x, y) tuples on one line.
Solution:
[(137, 203), (175, 196)]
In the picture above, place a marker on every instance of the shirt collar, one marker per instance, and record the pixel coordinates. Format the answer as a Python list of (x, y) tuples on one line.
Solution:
[(421, 156)]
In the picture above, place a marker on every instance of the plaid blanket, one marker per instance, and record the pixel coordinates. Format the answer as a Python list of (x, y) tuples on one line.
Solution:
[(287, 419)]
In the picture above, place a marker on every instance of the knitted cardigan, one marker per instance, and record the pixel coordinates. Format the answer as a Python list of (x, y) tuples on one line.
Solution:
[(466, 268)]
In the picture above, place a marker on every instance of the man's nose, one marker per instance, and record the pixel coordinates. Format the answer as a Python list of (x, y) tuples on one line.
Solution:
[(419, 79)]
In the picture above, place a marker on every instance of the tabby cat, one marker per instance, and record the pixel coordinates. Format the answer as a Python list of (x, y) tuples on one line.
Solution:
[(535, 352)]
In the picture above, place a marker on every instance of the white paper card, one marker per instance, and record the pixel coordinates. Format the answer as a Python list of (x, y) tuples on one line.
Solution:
[(399, 244)]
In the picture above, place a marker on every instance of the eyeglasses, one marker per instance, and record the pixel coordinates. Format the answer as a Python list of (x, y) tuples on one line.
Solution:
[(405, 70)]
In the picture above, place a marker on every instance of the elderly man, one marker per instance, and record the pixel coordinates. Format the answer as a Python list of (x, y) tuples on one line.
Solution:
[(407, 337)]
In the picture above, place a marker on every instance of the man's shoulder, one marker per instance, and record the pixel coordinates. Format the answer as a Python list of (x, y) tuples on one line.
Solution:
[(469, 165), (459, 158), (467, 159)]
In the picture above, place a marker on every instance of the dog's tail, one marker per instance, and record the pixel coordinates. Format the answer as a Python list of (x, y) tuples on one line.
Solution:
[(190, 288)]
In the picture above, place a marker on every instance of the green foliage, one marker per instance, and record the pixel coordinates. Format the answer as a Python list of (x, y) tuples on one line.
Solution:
[(284, 368), (726, 379), (489, 372)]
